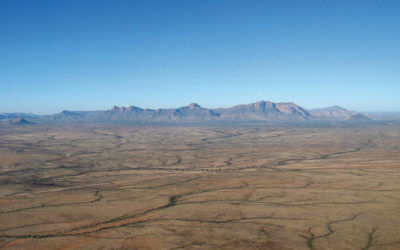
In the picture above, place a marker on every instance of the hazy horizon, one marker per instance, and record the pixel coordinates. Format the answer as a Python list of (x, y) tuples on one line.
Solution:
[(92, 55), (203, 106)]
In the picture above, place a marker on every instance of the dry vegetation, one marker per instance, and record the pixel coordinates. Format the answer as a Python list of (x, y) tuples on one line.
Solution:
[(200, 187)]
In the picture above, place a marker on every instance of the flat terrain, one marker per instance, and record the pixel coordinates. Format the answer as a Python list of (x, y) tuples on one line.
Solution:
[(287, 187)]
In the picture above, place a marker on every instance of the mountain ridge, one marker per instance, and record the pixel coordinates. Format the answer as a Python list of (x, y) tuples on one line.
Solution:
[(258, 111)]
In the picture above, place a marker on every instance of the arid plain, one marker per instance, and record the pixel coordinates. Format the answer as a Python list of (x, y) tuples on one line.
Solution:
[(233, 187)]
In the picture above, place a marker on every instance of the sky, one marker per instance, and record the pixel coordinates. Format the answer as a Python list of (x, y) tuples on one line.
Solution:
[(92, 55)]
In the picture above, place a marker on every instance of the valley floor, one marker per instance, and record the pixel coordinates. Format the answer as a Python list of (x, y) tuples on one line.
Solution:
[(93, 186)]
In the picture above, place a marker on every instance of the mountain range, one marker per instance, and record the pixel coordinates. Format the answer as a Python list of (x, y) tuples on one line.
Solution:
[(259, 111)]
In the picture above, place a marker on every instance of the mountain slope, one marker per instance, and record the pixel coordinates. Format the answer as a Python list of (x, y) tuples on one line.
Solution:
[(192, 112), (358, 118), (264, 110), (7, 116), (17, 122), (332, 113)]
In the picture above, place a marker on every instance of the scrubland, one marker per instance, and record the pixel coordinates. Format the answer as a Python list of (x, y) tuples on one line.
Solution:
[(202, 187)]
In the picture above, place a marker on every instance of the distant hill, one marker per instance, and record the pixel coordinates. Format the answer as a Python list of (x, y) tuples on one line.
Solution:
[(384, 116), (17, 121), (259, 111), (8, 116), (358, 118), (332, 113)]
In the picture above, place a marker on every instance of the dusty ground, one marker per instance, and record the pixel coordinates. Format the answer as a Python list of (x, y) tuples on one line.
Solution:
[(93, 187)]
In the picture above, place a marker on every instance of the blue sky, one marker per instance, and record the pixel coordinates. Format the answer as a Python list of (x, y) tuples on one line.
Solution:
[(91, 55)]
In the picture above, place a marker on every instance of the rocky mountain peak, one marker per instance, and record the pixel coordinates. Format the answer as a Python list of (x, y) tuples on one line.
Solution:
[(194, 106), (114, 108)]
